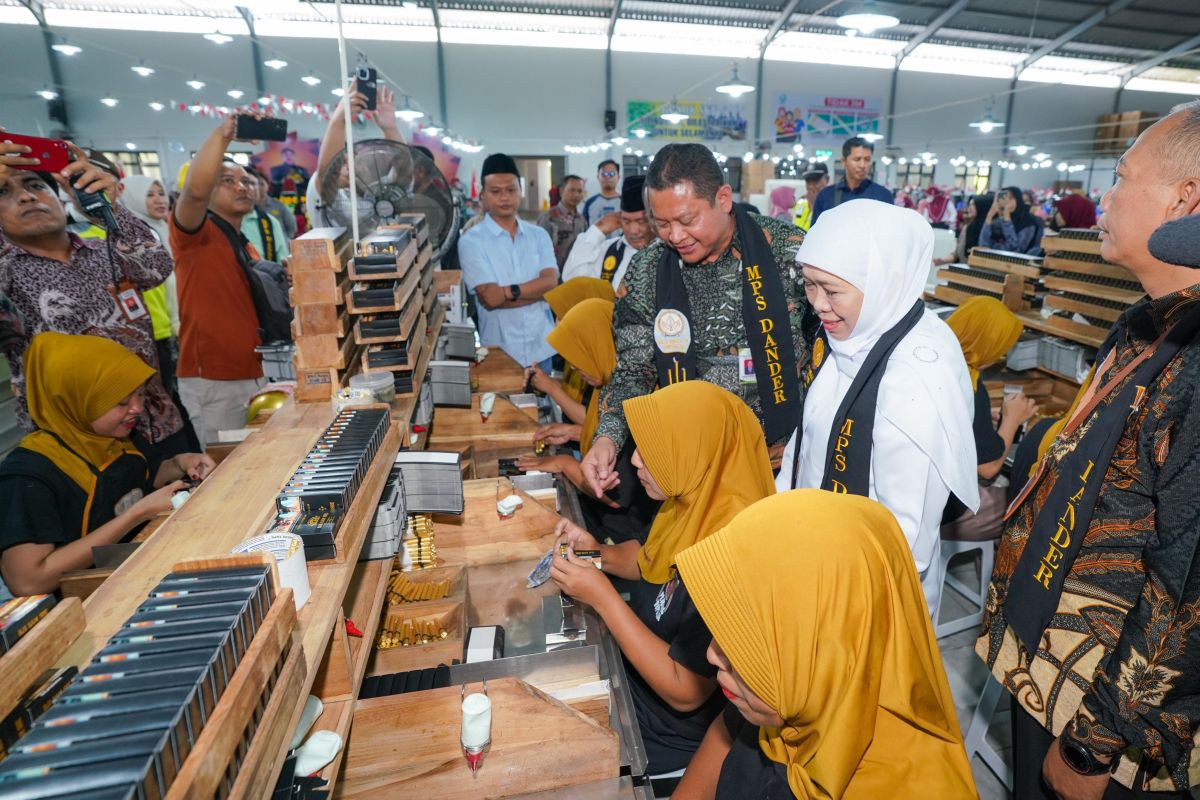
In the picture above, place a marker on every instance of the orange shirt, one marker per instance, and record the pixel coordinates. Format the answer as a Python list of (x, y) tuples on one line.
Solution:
[(218, 324)]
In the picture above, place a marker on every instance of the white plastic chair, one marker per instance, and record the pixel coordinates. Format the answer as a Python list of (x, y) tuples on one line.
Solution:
[(976, 596)]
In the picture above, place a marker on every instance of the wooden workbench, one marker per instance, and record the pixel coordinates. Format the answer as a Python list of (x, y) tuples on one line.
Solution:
[(498, 373)]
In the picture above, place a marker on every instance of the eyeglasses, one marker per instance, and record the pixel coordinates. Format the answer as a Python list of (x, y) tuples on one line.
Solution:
[(609, 173)]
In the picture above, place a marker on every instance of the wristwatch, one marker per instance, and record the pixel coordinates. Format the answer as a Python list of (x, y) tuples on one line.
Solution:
[(1079, 758), (516, 291)]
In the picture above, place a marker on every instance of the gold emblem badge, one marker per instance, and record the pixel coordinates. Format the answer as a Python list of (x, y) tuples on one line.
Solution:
[(818, 354), (610, 263)]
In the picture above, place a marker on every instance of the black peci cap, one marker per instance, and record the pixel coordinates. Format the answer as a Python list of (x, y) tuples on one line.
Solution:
[(632, 200), (499, 164)]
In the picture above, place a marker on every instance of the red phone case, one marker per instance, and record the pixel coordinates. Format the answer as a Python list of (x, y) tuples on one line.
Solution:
[(53, 154)]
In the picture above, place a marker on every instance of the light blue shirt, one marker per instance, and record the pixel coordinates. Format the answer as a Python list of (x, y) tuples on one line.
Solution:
[(489, 255)]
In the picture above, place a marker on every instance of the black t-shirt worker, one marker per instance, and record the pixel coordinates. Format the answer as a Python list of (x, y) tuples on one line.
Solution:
[(716, 291), (858, 161)]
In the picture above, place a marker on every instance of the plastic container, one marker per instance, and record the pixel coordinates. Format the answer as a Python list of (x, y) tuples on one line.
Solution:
[(380, 384)]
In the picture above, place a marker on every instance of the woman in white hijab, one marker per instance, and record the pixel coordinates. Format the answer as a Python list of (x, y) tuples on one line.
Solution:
[(146, 197), (889, 403)]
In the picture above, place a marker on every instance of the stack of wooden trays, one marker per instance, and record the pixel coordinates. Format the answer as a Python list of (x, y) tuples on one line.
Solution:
[(325, 350), (1011, 278), (1082, 284), (387, 305)]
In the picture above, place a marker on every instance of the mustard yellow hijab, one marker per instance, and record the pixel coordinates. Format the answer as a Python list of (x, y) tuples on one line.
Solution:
[(986, 330), (705, 449), (583, 337), (570, 294), (814, 598), (71, 381)]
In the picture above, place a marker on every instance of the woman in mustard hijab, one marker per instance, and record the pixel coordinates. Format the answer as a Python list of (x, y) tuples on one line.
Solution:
[(700, 450), (79, 480), (573, 392), (824, 648), (986, 330)]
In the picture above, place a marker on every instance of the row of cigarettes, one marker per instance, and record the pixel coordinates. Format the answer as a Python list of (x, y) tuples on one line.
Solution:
[(402, 590), (419, 544), (409, 633)]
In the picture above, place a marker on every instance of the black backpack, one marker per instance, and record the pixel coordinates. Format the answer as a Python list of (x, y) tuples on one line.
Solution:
[(268, 288)]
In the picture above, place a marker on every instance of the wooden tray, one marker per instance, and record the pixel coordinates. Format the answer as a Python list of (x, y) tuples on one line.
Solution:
[(1101, 269), (404, 262), (407, 320), (449, 614), (323, 350), (1054, 243), (498, 373), (403, 293), (318, 286), (315, 319), (414, 352), (321, 249), (538, 744)]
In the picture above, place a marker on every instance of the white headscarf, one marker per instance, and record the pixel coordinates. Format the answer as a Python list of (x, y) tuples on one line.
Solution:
[(134, 198), (885, 251)]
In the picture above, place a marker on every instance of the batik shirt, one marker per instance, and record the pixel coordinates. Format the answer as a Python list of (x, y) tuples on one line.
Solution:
[(75, 298), (563, 225), (1120, 658), (715, 295)]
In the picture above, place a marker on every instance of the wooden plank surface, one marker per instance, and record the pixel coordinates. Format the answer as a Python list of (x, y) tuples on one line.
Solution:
[(1065, 328), (1060, 303), (479, 536), (1101, 269), (498, 373), (538, 744), (507, 423), (1115, 293)]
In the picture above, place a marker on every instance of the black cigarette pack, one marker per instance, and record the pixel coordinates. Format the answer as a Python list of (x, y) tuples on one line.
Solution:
[(19, 615), (105, 705), (137, 776), (31, 765), (36, 704), (161, 629), (379, 355)]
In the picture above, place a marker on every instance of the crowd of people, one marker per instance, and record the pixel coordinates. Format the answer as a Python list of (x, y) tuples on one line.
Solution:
[(770, 432)]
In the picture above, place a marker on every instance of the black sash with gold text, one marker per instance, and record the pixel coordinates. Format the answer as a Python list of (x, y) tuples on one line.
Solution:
[(612, 260), (764, 316), (270, 251), (1057, 532), (848, 456)]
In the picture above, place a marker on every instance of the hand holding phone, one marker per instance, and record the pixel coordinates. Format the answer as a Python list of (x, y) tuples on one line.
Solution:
[(247, 127), (367, 85), (33, 153)]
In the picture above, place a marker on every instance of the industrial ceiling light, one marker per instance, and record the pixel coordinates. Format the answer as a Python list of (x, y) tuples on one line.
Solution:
[(157, 106), (1041, 156), (673, 114), (868, 19), (987, 123), (275, 63), (196, 84), (338, 92), (131, 145), (265, 100), (47, 94), (66, 49), (1021, 149), (109, 101), (735, 86), (871, 137), (141, 69), (619, 140), (236, 94), (216, 37), (311, 80), (927, 156), (640, 133), (408, 113), (432, 131)]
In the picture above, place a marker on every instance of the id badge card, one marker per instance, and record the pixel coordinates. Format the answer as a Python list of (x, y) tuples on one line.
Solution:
[(130, 302), (746, 366)]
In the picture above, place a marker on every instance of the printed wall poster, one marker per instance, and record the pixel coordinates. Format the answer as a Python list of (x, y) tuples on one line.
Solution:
[(823, 120), (288, 164), (706, 121)]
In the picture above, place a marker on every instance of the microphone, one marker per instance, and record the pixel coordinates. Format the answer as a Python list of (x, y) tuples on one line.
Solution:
[(95, 204), (1178, 242)]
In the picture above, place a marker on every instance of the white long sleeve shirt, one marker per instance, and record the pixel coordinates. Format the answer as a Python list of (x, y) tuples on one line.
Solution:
[(586, 259)]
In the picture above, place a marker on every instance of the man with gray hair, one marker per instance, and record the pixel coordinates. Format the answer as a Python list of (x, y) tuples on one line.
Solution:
[(1093, 612)]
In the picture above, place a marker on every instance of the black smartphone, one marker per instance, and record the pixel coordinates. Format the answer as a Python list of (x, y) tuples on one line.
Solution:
[(247, 128), (366, 84)]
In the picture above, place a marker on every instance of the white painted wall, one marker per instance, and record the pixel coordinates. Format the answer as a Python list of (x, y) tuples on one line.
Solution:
[(522, 100)]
